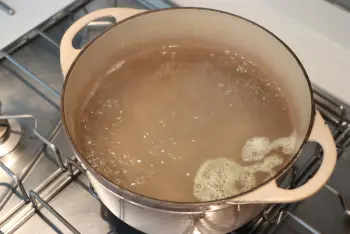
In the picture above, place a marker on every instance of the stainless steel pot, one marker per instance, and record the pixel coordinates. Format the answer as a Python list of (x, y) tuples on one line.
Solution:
[(81, 67)]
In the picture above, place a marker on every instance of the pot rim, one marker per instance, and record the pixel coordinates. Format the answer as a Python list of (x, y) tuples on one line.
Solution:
[(171, 206)]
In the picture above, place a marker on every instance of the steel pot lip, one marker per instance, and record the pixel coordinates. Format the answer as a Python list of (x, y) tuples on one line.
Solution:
[(184, 207)]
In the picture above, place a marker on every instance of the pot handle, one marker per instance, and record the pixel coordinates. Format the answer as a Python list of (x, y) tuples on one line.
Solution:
[(68, 52), (271, 193)]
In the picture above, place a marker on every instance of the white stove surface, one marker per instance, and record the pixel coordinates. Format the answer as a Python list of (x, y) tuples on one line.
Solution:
[(28, 15)]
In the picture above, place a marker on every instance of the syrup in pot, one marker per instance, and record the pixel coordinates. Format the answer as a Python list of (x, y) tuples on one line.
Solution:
[(186, 123)]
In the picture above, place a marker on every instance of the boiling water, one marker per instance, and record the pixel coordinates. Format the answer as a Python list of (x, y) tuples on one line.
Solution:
[(187, 124)]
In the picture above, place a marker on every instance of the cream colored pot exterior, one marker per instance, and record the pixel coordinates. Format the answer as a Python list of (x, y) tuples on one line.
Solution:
[(81, 68)]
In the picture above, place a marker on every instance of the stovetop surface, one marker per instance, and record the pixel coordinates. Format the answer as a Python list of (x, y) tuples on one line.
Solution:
[(72, 198)]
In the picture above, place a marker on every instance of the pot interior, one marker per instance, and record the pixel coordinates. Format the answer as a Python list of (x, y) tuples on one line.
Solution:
[(185, 26)]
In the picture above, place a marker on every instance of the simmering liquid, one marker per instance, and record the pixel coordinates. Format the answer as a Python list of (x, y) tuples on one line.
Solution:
[(187, 124)]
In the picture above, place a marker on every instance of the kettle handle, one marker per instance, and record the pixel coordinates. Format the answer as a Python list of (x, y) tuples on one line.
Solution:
[(68, 52), (271, 193)]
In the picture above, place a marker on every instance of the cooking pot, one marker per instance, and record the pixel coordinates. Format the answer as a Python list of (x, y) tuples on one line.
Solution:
[(81, 69)]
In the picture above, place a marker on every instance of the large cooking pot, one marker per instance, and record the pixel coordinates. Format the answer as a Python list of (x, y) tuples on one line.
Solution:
[(82, 67)]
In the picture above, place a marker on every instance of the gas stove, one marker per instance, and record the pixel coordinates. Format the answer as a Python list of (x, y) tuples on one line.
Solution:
[(44, 190)]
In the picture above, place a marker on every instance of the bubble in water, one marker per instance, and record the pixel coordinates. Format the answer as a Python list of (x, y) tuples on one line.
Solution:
[(218, 178), (255, 149), (208, 182), (286, 143)]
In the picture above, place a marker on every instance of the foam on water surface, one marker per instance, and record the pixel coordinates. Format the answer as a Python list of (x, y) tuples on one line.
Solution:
[(287, 144), (257, 148), (221, 178)]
